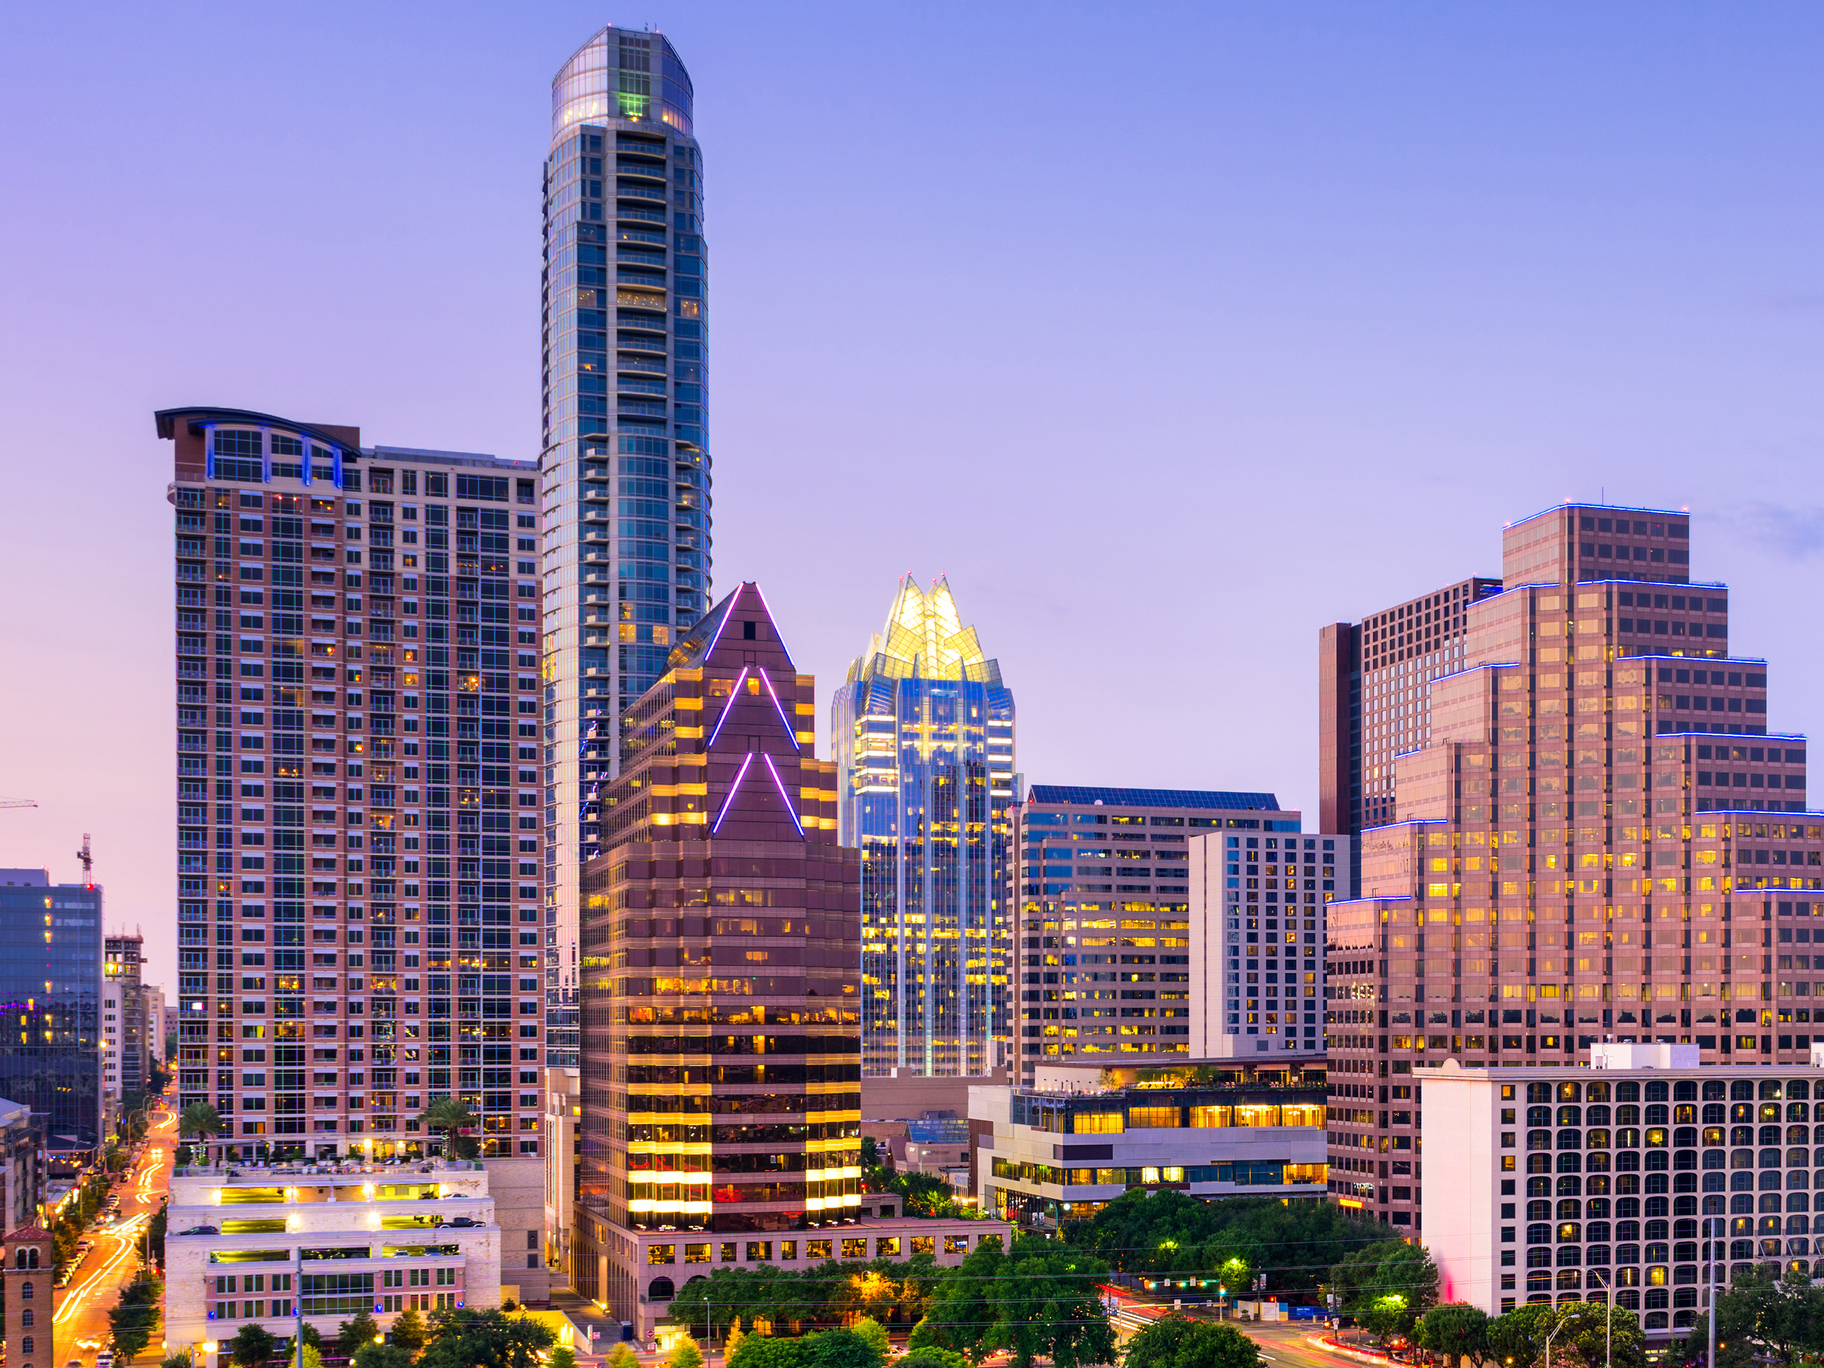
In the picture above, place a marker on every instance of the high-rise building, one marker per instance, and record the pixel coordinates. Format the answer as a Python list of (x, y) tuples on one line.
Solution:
[(922, 735), (1596, 838), (152, 1013), (50, 979), (1258, 906), (625, 454), (1101, 881), (123, 1026), (721, 1061), (358, 792)]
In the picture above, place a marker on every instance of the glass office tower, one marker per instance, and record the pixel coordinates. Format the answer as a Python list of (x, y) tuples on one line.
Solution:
[(625, 456), (922, 734), (50, 975)]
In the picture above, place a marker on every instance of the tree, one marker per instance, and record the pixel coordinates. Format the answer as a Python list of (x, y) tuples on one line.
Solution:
[(1456, 1329), (1387, 1286), (155, 1235), (1520, 1334), (201, 1120), (843, 1349), (252, 1346), (1049, 1305), (963, 1310), (763, 1351), (930, 1356), (382, 1356), (562, 1357), (462, 1339), (623, 1356), (684, 1354), (352, 1334), (410, 1332), (1587, 1330), (451, 1116), (131, 1323), (1174, 1342), (875, 1334), (730, 1343)]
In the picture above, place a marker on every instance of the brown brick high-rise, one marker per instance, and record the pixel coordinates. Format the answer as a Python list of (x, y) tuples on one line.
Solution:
[(721, 967)]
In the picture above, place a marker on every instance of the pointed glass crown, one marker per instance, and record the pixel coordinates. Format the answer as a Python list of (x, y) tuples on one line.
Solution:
[(925, 639)]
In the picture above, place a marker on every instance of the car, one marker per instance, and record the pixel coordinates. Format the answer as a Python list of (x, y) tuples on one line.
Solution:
[(459, 1222), (104, 1361), (200, 1230)]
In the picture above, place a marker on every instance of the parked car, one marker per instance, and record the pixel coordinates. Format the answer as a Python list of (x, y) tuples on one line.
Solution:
[(459, 1222), (200, 1230)]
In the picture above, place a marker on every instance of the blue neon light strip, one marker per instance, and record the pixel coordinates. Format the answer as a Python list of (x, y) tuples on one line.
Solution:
[(790, 735), (780, 785), (726, 709), (733, 789)]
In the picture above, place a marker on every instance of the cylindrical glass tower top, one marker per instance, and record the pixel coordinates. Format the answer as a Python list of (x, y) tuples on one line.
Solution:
[(619, 74)]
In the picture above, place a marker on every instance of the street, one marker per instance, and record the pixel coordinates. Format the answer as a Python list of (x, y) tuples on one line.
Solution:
[(1287, 1344), (81, 1319)]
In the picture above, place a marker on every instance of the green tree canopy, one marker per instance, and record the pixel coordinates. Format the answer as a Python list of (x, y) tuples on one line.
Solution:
[(352, 1334), (1174, 1342), (684, 1354), (252, 1346), (372, 1355), (1387, 1286), (485, 1339), (1454, 1328), (763, 1351)]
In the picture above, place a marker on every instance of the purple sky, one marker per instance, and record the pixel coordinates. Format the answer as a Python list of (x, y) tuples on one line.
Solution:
[(1169, 332)]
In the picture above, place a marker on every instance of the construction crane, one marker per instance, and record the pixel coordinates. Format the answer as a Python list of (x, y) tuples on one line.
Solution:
[(88, 860), (17, 803)]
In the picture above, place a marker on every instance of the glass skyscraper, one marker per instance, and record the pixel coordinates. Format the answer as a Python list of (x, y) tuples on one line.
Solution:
[(625, 454), (922, 735), (50, 979)]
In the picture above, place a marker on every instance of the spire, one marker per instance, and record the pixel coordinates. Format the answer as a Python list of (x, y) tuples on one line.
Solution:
[(924, 637)]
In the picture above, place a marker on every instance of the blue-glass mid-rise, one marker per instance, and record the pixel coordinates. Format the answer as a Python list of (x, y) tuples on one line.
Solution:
[(922, 734), (625, 458), (50, 980)]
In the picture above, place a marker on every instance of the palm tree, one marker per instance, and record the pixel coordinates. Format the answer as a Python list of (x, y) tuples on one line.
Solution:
[(447, 1114), (201, 1119)]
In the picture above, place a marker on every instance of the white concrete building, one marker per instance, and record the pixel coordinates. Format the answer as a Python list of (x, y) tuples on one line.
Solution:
[(1562, 1183), (1257, 923), (1065, 1151), (340, 1238)]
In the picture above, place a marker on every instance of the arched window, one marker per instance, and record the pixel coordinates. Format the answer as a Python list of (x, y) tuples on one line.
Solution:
[(26, 1258), (25, 1344), (25, 1291), (25, 1319), (661, 1288)]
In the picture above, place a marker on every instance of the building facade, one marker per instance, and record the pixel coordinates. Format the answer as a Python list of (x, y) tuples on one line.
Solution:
[(22, 1167), (319, 1244), (357, 670), (50, 980), (625, 455), (152, 1014), (1598, 837), (1101, 880), (721, 1063), (1641, 1174), (27, 1266), (1063, 1152), (1258, 910), (922, 733), (124, 1057)]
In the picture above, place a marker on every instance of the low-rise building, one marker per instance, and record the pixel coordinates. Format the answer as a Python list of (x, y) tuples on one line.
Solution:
[(1563, 1183), (665, 1258), (320, 1243), (21, 1166), (1065, 1148)]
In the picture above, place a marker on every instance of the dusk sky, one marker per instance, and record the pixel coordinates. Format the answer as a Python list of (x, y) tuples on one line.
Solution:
[(1169, 333)]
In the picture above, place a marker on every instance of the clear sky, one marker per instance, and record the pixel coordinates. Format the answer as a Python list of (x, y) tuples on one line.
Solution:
[(1169, 332)]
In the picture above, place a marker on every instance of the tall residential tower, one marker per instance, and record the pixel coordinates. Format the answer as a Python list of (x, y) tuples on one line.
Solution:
[(922, 735), (357, 795), (626, 463)]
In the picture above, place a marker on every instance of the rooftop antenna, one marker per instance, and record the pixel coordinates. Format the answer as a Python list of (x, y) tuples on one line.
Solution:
[(88, 860)]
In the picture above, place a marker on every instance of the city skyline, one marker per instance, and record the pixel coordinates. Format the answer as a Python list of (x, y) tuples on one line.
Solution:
[(1507, 359)]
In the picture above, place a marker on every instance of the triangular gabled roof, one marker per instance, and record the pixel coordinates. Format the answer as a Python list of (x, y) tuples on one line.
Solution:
[(28, 1235), (745, 604)]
